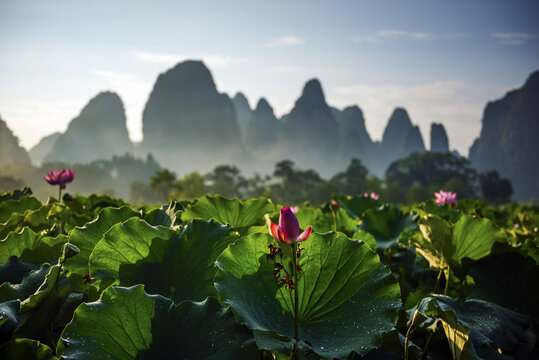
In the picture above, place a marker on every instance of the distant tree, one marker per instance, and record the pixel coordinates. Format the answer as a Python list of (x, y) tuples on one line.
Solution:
[(141, 193), (297, 186), (163, 182), (258, 185), (352, 180), (227, 181), (435, 169), (373, 184), (190, 187), (494, 188)]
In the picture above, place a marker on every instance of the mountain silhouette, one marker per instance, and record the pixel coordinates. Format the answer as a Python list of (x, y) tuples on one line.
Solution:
[(508, 139), (10, 150), (309, 134), (187, 123), (438, 138), (99, 132)]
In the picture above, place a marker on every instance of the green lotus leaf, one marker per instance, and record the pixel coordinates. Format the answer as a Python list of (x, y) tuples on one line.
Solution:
[(29, 284), (505, 279), (176, 265), (31, 247), (24, 349), (167, 215), (17, 206), (366, 237), (127, 323), (325, 221), (480, 329), (244, 216), (446, 246), (347, 297), (14, 270), (15, 194), (357, 205), (386, 224), (87, 237)]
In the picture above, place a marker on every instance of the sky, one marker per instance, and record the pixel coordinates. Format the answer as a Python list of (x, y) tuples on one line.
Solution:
[(441, 60)]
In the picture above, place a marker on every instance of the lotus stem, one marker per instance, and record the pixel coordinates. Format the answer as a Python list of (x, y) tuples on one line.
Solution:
[(426, 346), (447, 281), (296, 298), (410, 329), (437, 281), (59, 194)]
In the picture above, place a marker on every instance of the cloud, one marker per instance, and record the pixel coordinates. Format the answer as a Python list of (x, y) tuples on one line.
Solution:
[(290, 40), (401, 34), (366, 39), (388, 35), (514, 38), (213, 61), (456, 104)]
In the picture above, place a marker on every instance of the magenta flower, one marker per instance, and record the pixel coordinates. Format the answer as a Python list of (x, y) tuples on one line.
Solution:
[(445, 197), (60, 177), (288, 229), (372, 195)]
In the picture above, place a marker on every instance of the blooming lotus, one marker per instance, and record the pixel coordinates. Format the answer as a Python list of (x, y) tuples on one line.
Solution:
[(288, 229), (445, 197), (372, 195), (60, 177)]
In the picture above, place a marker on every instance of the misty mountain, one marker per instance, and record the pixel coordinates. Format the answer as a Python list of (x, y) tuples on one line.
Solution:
[(262, 130), (187, 123), (310, 135), (413, 142), (438, 138), (10, 150), (45, 145), (243, 112), (395, 132), (508, 139), (99, 132), (355, 140)]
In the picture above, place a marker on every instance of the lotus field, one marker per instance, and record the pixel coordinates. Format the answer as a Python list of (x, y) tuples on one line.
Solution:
[(96, 278)]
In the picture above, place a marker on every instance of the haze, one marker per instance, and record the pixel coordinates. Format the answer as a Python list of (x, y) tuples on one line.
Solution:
[(442, 61)]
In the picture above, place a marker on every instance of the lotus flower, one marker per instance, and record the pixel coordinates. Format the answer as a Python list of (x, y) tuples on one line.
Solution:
[(372, 195), (288, 229), (60, 177), (445, 197)]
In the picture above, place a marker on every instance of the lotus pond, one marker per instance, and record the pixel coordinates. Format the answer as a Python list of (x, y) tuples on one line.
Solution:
[(96, 278)]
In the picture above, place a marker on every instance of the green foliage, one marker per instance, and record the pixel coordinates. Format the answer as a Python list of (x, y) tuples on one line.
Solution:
[(243, 216), (53, 305), (494, 188), (433, 169), (127, 323), (190, 187), (347, 298), (445, 245), (163, 183), (386, 224)]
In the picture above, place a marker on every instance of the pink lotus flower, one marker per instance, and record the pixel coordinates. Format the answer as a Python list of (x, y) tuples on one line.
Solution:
[(60, 177), (445, 197), (288, 229), (372, 195)]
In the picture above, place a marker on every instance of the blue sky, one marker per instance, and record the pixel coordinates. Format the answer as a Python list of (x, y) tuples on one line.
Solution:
[(441, 60)]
